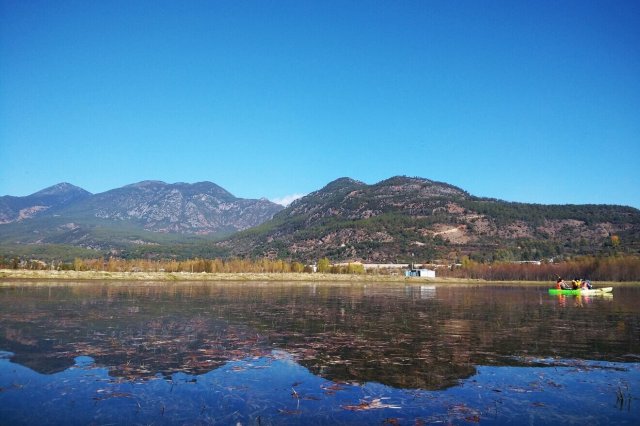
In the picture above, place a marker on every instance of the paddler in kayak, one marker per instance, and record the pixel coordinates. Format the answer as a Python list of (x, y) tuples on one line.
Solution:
[(585, 284), (562, 285)]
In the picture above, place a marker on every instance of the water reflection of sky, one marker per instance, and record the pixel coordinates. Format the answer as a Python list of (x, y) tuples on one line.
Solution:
[(274, 389)]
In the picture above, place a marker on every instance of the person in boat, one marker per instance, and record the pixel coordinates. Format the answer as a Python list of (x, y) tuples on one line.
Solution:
[(562, 285), (575, 284), (586, 285)]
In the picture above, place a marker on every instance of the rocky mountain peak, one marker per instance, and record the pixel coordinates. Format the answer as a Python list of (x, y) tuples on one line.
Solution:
[(198, 208), (46, 201), (146, 184), (422, 187), (341, 183), (63, 188), (158, 187)]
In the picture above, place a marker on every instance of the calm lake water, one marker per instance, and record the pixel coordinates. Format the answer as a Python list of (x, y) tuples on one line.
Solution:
[(273, 353)]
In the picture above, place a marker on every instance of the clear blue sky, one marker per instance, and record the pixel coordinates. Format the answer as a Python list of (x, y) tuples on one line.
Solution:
[(533, 101)]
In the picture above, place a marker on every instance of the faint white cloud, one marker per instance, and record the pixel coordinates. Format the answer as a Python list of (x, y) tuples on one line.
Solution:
[(287, 199)]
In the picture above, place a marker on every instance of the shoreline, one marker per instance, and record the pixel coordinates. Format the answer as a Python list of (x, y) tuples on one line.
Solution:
[(47, 275), (20, 274)]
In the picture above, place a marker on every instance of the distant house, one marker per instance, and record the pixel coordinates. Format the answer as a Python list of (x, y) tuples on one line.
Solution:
[(423, 273)]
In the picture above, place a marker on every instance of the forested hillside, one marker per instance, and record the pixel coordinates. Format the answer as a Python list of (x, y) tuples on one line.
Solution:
[(412, 219)]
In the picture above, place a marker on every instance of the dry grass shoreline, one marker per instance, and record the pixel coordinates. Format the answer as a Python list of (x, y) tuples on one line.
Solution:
[(18, 274), (44, 275)]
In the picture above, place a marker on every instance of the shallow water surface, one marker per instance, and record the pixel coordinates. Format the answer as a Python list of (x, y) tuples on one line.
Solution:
[(256, 353)]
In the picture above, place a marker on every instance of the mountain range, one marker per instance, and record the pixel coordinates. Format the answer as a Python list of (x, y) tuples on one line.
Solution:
[(396, 220), (136, 219)]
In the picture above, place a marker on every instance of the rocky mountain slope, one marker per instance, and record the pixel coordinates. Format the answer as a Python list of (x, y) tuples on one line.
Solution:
[(45, 202), (414, 219), (149, 214), (202, 208)]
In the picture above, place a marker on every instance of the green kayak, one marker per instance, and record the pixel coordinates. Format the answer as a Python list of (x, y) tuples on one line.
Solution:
[(582, 291)]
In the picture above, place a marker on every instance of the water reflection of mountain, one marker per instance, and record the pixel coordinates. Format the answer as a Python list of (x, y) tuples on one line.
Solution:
[(405, 337)]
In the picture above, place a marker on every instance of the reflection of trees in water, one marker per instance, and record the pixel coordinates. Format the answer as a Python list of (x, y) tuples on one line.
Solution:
[(345, 333), (396, 341), (137, 332), (193, 346)]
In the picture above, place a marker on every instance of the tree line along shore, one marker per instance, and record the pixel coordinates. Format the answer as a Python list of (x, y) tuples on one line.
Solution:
[(609, 269)]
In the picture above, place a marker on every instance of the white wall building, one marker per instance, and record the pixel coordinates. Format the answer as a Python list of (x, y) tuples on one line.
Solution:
[(422, 273)]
